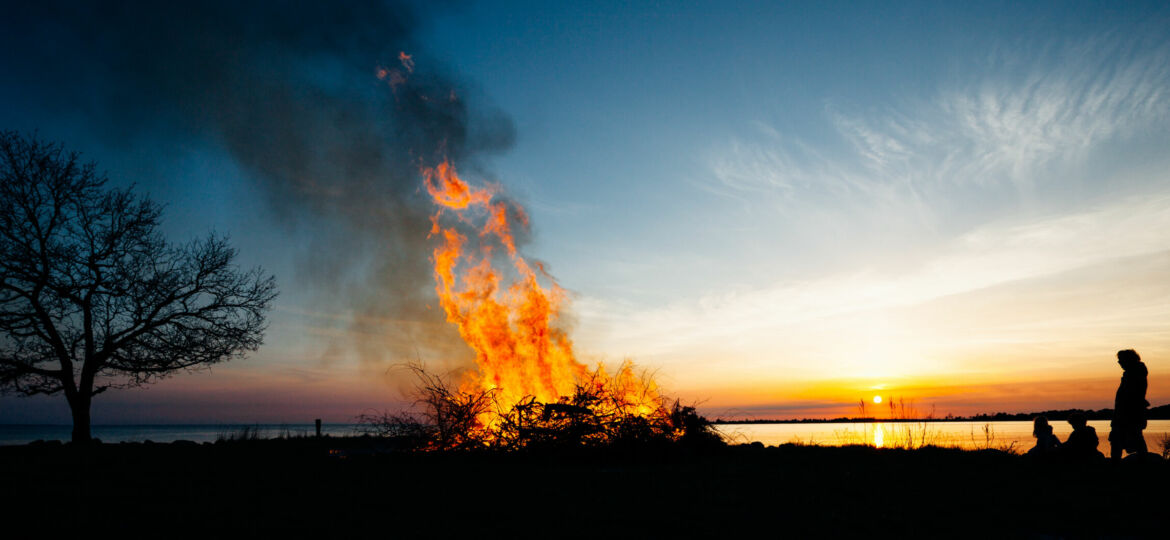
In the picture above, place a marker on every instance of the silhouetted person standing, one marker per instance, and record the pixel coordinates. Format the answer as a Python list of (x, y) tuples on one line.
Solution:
[(1129, 407), (1082, 442)]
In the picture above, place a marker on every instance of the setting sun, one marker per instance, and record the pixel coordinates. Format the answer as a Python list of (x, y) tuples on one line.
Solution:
[(877, 399)]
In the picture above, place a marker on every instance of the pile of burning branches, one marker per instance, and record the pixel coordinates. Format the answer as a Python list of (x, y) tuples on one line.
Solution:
[(601, 412)]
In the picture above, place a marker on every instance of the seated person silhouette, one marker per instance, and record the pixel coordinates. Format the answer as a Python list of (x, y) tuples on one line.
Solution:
[(1046, 442), (1082, 442)]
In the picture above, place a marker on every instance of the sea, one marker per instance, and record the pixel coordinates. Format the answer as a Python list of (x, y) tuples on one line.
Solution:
[(12, 434), (1010, 436)]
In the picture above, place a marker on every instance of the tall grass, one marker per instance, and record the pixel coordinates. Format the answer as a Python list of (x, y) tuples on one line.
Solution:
[(906, 427), (989, 441), (283, 432), (243, 433), (910, 428), (255, 433)]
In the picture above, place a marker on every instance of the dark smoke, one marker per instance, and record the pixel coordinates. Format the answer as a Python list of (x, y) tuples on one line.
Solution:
[(288, 90)]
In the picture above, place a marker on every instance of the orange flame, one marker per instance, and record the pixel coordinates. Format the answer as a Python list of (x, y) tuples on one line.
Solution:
[(519, 349)]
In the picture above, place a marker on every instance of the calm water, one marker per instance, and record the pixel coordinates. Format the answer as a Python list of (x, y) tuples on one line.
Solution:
[(1003, 435), (23, 434)]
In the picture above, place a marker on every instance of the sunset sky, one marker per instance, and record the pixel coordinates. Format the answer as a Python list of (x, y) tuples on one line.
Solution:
[(779, 209)]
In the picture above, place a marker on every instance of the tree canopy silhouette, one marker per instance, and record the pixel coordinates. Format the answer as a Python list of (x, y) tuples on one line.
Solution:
[(92, 296)]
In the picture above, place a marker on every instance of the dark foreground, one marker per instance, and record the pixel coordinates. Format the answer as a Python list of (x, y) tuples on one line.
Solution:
[(307, 486)]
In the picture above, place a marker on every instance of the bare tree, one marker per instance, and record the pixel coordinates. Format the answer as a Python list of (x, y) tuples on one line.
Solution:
[(92, 297)]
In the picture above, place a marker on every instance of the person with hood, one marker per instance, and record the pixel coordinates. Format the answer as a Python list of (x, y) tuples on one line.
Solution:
[(1082, 442), (1129, 407), (1046, 442)]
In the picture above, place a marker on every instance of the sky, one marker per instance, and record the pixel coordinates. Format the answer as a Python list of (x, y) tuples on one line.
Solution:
[(778, 209)]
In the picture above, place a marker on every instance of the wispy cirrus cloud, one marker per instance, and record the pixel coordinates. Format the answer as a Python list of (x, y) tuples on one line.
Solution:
[(1004, 126)]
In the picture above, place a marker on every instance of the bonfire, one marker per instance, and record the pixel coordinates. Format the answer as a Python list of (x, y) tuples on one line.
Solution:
[(528, 386)]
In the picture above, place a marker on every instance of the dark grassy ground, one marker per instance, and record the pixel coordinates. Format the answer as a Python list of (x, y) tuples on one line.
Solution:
[(299, 486)]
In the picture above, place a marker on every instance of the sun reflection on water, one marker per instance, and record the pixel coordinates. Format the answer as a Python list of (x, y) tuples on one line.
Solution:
[(878, 435)]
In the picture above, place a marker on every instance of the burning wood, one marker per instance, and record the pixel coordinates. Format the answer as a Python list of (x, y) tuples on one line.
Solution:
[(598, 413)]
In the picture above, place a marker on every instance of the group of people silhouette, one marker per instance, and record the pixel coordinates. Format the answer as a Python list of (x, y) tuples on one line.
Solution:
[(1129, 419)]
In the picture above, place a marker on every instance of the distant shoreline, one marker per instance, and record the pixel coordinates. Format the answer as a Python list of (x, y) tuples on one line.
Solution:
[(1161, 412)]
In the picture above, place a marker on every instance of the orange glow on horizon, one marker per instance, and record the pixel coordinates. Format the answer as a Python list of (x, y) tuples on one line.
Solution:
[(937, 396)]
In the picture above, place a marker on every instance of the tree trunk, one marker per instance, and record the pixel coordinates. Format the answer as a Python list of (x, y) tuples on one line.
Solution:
[(80, 408)]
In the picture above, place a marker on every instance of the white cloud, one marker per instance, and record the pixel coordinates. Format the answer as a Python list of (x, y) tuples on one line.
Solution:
[(744, 322), (997, 129)]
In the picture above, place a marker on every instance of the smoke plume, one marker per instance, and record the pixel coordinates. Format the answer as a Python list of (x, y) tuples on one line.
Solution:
[(290, 91)]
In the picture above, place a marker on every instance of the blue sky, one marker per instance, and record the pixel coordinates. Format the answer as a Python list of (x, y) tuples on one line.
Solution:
[(780, 207), (719, 182), (636, 126)]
